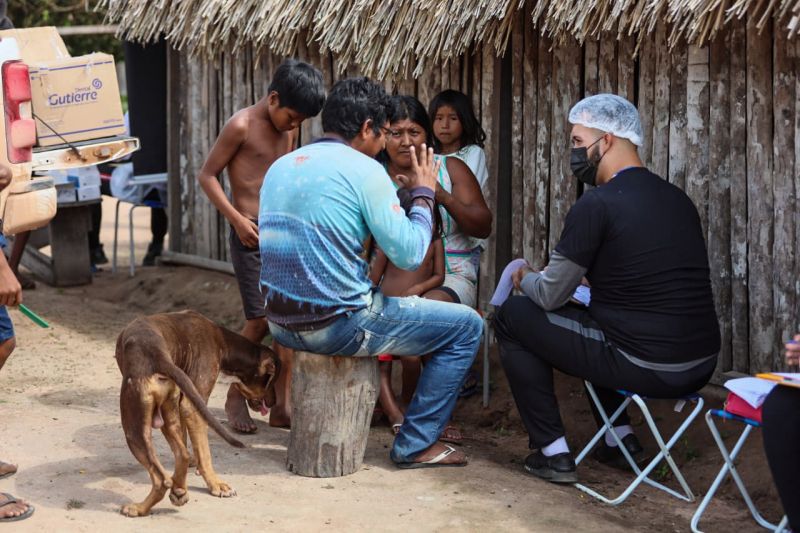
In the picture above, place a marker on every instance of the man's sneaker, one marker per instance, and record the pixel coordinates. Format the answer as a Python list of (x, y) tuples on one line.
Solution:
[(98, 256), (558, 468), (612, 456)]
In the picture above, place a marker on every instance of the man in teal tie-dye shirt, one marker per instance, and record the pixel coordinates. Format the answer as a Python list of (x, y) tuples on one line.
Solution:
[(318, 205)]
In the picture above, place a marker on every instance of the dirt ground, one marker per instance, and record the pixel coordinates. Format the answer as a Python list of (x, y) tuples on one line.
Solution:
[(60, 423)]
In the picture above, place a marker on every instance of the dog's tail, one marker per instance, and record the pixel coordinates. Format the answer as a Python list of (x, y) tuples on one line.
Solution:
[(168, 368)]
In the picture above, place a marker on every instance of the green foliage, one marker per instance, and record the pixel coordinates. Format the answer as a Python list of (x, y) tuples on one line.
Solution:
[(29, 13)]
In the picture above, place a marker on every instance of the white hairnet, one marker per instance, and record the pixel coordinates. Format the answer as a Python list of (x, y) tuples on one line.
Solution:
[(609, 113)]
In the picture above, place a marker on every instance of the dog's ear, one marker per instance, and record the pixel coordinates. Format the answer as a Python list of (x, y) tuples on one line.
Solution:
[(269, 364)]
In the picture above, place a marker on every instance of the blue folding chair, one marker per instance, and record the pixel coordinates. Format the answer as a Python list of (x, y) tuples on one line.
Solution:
[(642, 475), (730, 467)]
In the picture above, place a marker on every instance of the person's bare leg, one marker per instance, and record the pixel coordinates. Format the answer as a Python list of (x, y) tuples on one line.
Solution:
[(17, 250), (6, 347), (387, 398), (235, 404), (412, 368), (280, 416), (6, 469)]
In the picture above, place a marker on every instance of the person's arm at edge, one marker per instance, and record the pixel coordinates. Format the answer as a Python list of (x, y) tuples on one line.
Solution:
[(10, 289), (466, 203), (231, 137), (437, 278), (552, 288)]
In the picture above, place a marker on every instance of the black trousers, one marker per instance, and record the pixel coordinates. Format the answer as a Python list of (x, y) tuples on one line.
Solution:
[(533, 342), (781, 430)]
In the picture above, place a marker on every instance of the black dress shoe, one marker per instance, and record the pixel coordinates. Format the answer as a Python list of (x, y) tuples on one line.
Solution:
[(612, 456), (98, 256), (153, 251), (558, 468)]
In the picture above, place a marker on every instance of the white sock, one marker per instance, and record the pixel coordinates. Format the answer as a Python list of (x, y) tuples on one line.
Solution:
[(556, 447), (621, 431)]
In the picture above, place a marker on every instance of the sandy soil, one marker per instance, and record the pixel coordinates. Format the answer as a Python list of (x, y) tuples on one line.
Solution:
[(60, 423)]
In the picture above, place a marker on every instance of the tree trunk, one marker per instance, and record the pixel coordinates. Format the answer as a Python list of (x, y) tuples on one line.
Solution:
[(332, 402)]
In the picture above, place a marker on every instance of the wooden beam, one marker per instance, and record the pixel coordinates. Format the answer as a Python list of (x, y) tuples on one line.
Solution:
[(517, 147), (646, 99), (490, 77), (659, 160), (93, 29), (719, 195), (740, 316), (563, 185), (760, 201), (677, 117), (784, 249), (544, 123), (696, 156), (530, 91)]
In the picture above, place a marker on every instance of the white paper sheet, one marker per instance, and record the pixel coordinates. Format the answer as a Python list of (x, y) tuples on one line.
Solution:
[(752, 390)]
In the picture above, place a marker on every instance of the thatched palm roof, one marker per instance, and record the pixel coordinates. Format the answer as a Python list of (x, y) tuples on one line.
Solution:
[(387, 37)]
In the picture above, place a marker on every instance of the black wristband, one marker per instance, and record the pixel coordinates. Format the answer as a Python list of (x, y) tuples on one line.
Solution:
[(422, 192)]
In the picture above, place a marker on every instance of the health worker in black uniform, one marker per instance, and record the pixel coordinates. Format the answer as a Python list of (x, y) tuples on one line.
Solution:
[(651, 326)]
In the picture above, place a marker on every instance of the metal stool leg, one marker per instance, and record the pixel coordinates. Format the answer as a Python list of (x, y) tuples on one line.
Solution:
[(116, 230), (130, 227), (729, 467), (664, 448), (486, 340)]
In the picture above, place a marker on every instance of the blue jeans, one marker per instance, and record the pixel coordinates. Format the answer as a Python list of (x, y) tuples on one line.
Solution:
[(405, 326)]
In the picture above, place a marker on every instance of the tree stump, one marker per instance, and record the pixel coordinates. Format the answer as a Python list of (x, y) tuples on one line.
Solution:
[(332, 402)]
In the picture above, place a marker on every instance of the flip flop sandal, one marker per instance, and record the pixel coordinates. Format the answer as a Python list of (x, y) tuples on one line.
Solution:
[(396, 428), (433, 463), (11, 500), (451, 440)]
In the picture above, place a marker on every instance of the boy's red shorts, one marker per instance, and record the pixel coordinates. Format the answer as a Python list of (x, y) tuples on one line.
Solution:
[(385, 357)]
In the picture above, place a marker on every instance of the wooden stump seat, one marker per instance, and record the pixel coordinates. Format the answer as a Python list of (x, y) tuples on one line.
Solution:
[(332, 402)]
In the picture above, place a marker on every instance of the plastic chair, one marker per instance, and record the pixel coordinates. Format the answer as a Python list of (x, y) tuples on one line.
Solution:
[(730, 467), (136, 181), (642, 475), (145, 203)]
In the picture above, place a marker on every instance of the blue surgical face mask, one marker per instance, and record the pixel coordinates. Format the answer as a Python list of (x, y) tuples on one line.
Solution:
[(583, 165)]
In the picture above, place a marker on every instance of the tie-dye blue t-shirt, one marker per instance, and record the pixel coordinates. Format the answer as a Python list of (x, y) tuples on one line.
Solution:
[(318, 206)]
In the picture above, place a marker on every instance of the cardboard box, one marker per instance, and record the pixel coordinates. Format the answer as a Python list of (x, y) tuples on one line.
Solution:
[(90, 192), (37, 44), (65, 193), (76, 99)]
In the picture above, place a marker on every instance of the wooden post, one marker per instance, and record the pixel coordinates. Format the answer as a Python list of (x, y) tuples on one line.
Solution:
[(332, 402)]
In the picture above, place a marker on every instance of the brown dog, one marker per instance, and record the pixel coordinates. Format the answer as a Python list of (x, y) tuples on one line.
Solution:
[(170, 363)]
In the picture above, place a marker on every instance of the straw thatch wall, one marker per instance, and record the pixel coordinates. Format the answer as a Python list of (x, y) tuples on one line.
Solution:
[(721, 121)]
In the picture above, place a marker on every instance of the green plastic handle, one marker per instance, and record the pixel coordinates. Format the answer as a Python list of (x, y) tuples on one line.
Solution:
[(33, 316)]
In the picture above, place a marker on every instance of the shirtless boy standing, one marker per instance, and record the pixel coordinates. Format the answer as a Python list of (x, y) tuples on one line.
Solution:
[(247, 146)]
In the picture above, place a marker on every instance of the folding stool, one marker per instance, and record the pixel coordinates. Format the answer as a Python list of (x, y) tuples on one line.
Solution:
[(730, 467), (642, 475)]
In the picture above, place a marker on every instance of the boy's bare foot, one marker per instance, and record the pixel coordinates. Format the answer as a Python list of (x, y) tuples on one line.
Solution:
[(279, 417), (451, 434), (11, 507), (439, 454), (238, 414), (7, 469)]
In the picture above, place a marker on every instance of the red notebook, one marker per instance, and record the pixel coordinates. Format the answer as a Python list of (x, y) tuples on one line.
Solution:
[(737, 406)]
